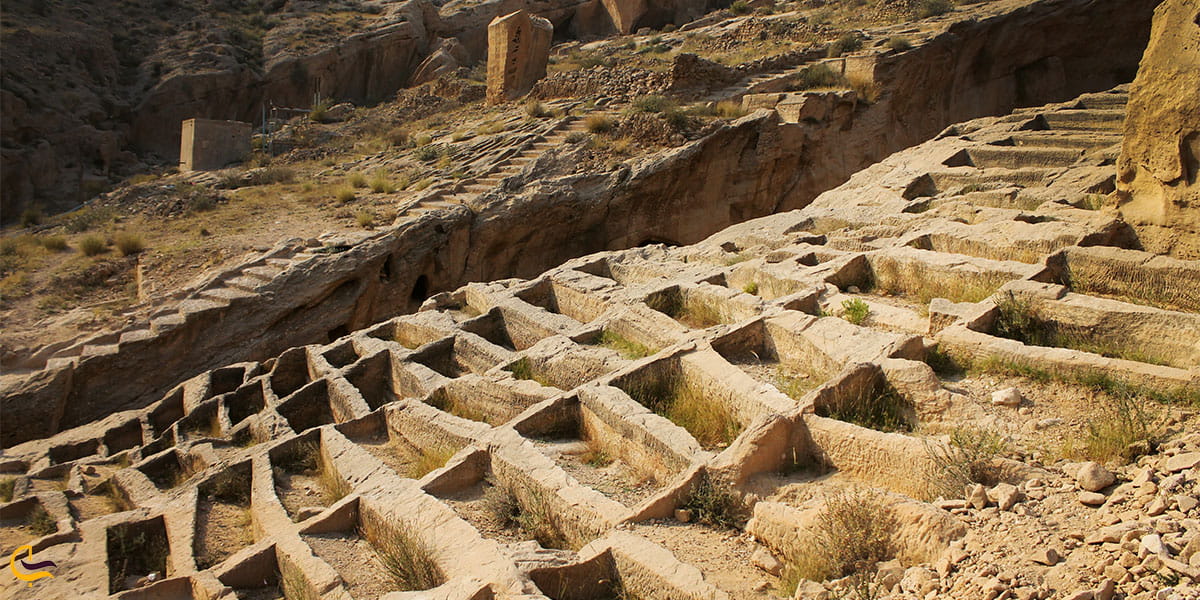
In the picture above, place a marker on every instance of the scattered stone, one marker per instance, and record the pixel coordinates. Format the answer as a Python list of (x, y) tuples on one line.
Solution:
[(683, 515), (1045, 556), (810, 590), (1048, 423), (766, 561), (1093, 477), (308, 512), (1010, 397), (1091, 498), (1106, 591), (1153, 544), (1004, 495), (977, 496), (761, 586), (1179, 462), (1186, 503)]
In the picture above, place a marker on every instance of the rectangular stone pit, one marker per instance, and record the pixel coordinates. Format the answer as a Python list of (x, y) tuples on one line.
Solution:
[(211, 144), (134, 550)]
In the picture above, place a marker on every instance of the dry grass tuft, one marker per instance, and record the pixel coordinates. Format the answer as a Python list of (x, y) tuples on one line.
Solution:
[(708, 419), (407, 559), (627, 348), (92, 245), (429, 460), (715, 505), (853, 531), (969, 458)]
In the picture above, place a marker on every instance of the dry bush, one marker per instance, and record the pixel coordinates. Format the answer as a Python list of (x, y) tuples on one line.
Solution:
[(853, 531), (407, 559), (365, 218), (715, 505), (40, 522), (864, 86), (880, 408), (128, 243), (899, 43), (536, 110), (6, 488), (92, 245), (53, 243), (381, 185), (969, 457), (599, 124), (1122, 428), (345, 195), (933, 8), (357, 180)]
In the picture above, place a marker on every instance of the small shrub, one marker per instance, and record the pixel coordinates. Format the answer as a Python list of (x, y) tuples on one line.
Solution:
[(751, 288), (501, 505), (880, 408), (855, 310), (230, 486), (933, 8), (817, 76), (6, 488), (128, 243), (677, 119), (345, 195), (969, 457), (850, 42), (1122, 428), (627, 348), (365, 218), (576, 137), (536, 110), (423, 140), (595, 456), (490, 128), (31, 216), (652, 104), (396, 136), (406, 558), (445, 162), (899, 43), (381, 185), (422, 184), (357, 180), (864, 86), (92, 245), (426, 153), (715, 505), (730, 109), (740, 7), (54, 243), (319, 113), (852, 532), (536, 517)]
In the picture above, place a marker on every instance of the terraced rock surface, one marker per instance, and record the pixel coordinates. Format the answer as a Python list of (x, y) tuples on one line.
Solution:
[(937, 344)]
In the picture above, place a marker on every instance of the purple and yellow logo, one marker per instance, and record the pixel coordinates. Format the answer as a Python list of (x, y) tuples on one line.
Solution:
[(32, 570)]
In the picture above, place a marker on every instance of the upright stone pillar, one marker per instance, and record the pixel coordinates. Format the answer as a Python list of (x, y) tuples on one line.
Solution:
[(1158, 174), (625, 13), (518, 48)]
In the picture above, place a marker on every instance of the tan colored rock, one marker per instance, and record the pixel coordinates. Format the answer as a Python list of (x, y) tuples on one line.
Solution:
[(1159, 168), (518, 48), (625, 13), (1093, 477)]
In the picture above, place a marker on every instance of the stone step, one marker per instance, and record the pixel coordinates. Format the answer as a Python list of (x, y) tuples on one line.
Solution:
[(167, 322), (1086, 120), (478, 188), (1105, 100), (281, 263), (247, 284), (264, 273), (226, 294), (1014, 157), (945, 181), (1060, 139)]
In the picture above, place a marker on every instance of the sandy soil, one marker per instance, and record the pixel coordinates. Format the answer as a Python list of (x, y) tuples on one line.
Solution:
[(222, 529), (298, 491), (723, 555), (355, 560)]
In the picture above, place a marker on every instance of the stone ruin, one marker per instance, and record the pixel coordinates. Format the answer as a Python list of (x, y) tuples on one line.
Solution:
[(518, 48), (518, 435), (211, 144)]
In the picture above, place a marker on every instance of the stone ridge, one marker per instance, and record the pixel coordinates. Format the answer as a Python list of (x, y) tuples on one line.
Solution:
[(548, 394)]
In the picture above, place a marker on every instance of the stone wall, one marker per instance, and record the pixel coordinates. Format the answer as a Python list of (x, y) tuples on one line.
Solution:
[(1159, 169)]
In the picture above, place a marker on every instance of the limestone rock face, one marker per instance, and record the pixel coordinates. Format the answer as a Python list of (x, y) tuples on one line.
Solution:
[(518, 48), (625, 13), (1160, 158)]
